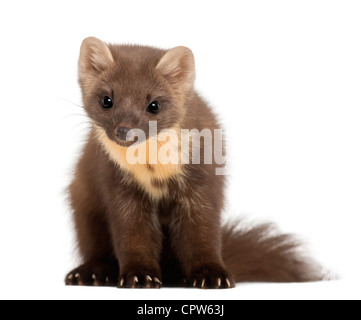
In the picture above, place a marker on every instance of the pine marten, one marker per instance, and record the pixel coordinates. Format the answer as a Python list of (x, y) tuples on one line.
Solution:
[(148, 224)]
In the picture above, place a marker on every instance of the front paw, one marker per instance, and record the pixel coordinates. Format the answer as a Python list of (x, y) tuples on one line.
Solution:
[(136, 278), (211, 277)]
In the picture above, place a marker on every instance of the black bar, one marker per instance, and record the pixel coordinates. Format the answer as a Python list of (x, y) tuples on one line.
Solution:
[(175, 310)]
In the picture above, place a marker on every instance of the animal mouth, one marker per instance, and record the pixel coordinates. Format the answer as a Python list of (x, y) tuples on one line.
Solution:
[(125, 144)]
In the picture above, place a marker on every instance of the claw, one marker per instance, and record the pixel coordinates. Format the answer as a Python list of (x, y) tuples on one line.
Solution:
[(195, 283), (228, 283), (77, 276), (121, 283), (157, 280), (106, 279), (70, 277), (94, 277), (149, 278), (136, 280), (219, 282), (203, 283)]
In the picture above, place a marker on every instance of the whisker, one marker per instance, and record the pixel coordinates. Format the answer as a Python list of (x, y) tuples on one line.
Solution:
[(87, 125), (72, 103), (75, 114)]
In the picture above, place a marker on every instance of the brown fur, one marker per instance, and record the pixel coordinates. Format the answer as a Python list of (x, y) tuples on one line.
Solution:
[(139, 225), (266, 255)]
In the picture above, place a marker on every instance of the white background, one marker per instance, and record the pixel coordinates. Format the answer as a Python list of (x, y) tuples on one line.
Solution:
[(285, 78)]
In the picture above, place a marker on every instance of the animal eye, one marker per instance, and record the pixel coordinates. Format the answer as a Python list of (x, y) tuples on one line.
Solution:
[(107, 102), (154, 107)]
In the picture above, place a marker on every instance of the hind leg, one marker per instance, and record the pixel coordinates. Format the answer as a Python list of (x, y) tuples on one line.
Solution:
[(95, 273)]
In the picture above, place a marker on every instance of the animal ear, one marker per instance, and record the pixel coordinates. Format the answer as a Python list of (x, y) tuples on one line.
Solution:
[(94, 57), (177, 66)]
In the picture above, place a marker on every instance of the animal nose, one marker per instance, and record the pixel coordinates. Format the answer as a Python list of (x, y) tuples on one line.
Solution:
[(121, 133)]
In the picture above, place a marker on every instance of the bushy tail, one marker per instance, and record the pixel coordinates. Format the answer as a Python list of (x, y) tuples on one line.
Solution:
[(260, 254)]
